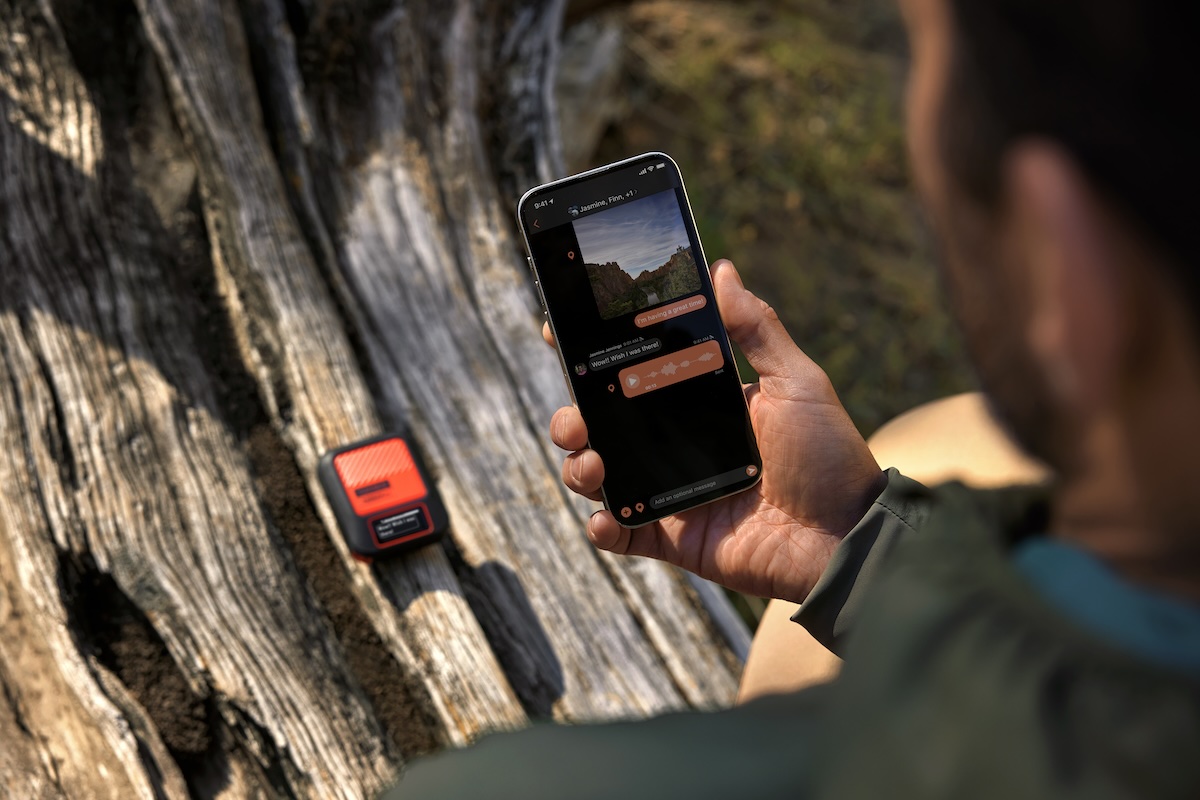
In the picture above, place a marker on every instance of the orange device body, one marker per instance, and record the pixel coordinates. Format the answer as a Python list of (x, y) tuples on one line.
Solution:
[(384, 499)]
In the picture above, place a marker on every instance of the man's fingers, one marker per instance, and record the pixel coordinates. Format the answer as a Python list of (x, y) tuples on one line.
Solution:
[(546, 334), (604, 532), (756, 328), (567, 429), (583, 473)]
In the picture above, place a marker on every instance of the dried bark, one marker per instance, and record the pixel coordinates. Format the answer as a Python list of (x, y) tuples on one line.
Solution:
[(234, 236)]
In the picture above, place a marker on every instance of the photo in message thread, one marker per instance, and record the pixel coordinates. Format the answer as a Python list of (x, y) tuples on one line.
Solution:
[(637, 255)]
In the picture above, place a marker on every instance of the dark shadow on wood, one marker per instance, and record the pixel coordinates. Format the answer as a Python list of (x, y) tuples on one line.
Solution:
[(513, 629), (403, 706)]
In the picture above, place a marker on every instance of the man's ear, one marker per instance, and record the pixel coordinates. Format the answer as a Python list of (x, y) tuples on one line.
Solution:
[(1058, 238)]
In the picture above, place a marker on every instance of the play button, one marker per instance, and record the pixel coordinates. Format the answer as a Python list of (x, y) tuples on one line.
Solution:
[(631, 381)]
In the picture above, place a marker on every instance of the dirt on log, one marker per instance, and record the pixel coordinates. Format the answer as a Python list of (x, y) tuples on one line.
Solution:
[(238, 233)]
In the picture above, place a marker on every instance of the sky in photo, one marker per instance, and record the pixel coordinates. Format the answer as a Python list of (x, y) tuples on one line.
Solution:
[(639, 235)]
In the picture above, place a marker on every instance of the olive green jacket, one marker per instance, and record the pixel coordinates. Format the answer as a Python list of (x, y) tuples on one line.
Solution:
[(960, 681)]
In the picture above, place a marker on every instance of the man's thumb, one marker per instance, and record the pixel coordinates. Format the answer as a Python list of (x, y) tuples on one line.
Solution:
[(755, 326)]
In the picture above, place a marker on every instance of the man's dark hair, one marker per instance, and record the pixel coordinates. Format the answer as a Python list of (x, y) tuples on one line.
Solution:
[(1112, 81)]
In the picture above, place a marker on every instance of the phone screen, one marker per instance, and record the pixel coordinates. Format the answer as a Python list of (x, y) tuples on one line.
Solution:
[(627, 291)]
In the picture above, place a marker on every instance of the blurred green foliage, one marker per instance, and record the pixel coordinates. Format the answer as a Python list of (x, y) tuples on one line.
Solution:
[(787, 121)]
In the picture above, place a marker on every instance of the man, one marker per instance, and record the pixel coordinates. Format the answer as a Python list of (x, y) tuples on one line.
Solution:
[(1020, 643)]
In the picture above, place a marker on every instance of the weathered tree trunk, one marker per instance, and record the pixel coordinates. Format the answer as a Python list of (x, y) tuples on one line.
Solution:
[(236, 233)]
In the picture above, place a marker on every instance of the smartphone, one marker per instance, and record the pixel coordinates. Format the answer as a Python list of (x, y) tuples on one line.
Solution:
[(626, 289)]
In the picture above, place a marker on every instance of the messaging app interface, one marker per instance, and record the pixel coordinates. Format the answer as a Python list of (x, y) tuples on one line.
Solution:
[(632, 305)]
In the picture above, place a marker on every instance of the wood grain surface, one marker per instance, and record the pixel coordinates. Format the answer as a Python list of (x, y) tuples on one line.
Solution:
[(235, 235)]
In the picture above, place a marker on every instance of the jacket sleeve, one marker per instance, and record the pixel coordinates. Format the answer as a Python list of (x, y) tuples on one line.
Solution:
[(829, 611), (762, 749)]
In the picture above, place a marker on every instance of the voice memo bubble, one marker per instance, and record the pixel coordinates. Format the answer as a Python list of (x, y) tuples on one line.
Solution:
[(658, 373), (643, 348)]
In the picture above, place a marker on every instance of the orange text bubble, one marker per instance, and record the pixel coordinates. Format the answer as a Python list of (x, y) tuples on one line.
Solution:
[(685, 306), (658, 373)]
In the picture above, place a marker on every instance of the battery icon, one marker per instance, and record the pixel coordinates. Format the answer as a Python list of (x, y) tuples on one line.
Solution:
[(660, 166)]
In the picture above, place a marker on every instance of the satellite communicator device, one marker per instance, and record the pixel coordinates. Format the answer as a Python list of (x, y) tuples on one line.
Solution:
[(382, 495)]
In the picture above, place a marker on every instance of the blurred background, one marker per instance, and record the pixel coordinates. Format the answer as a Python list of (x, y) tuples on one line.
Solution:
[(787, 121)]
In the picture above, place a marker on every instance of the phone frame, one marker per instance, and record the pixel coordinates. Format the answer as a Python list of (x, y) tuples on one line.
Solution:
[(722, 333)]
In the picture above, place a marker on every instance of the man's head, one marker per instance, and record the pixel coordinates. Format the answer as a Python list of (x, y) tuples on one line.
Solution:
[(1047, 143)]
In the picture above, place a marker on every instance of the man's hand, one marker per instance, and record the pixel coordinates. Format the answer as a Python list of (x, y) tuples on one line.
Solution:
[(818, 476)]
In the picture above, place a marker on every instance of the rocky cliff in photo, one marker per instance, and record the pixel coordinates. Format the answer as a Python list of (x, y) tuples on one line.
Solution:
[(617, 293)]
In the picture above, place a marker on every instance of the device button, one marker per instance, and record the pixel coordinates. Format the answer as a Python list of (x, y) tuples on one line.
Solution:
[(529, 261)]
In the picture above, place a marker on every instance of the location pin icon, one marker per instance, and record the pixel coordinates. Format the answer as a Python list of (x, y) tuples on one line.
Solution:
[(571, 254), (612, 388)]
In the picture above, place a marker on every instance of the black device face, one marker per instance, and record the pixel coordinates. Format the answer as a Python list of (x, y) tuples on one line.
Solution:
[(628, 295)]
